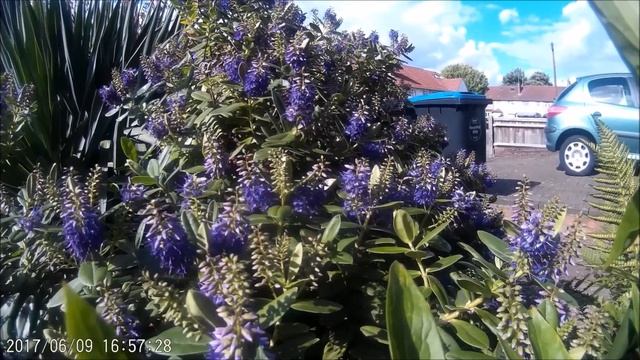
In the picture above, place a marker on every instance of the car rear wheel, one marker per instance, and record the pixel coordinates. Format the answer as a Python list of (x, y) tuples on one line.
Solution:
[(577, 157)]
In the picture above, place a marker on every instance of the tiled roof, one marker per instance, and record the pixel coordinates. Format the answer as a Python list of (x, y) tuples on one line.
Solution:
[(527, 93), (425, 79)]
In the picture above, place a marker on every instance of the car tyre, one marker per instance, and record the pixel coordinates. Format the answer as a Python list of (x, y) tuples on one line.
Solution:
[(577, 157)]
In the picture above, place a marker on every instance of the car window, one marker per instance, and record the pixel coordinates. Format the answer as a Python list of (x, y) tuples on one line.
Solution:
[(611, 91), (566, 91)]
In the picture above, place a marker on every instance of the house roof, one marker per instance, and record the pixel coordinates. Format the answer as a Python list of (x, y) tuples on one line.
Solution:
[(426, 79), (527, 93)]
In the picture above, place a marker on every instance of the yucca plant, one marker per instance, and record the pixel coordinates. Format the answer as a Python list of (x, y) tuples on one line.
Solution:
[(67, 50)]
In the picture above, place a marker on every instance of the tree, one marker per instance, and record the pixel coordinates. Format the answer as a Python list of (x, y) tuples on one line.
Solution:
[(514, 77), (538, 78), (476, 80)]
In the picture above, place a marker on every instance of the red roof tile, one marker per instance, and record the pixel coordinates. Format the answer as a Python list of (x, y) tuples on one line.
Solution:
[(426, 79), (528, 93)]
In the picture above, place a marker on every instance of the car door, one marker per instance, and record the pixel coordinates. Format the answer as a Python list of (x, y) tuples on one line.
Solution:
[(613, 101)]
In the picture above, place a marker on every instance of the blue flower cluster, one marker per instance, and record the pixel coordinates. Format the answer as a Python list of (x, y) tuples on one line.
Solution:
[(425, 180), (216, 160), (168, 240), (295, 57), (130, 193), (257, 192), (231, 67), (192, 187), (355, 183), (256, 80), (307, 199), (156, 125), (225, 338), (358, 124), (300, 107), (110, 96), (81, 226), (536, 240), (470, 206), (230, 232), (32, 219)]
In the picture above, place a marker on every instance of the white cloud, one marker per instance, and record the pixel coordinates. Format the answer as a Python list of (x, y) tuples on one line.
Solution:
[(582, 47), (437, 29), (508, 15)]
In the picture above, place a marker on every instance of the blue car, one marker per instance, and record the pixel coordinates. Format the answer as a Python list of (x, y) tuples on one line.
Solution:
[(571, 126)]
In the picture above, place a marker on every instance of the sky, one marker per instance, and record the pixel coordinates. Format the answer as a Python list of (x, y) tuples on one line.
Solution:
[(492, 36)]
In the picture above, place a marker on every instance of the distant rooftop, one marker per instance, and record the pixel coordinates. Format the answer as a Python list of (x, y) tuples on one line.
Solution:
[(527, 93), (426, 79)]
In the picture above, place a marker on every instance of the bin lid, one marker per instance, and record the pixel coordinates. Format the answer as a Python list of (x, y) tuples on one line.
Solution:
[(450, 97)]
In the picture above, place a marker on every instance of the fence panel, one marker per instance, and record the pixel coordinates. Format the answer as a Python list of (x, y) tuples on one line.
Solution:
[(518, 132)]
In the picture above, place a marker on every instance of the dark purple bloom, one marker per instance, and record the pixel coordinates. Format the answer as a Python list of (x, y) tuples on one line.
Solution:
[(470, 206), (401, 131), (355, 183), (295, 57), (374, 150), (230, 232), (223, 5), (374, 38), (239, 32), (330, 20), (110, 96), (81, 226), (357, 125), (393, 36), (176, 102), (258, 194), (229, 342), (256, 80), (231, 67), (301, 104), (425, 181), (216, 160), (192, 187), (32, 219), (168, 241), (129, 78), (156, 125), (307, 200), (132, 192), (536, 240)]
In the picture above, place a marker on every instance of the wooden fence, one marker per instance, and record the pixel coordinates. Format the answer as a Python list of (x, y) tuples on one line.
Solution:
[(515, 132)]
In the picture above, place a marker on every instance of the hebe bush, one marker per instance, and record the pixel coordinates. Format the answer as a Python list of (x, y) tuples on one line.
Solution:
[(273, 175)]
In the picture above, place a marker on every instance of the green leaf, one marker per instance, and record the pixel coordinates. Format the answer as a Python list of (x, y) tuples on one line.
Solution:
[(91, 273), (83, 323), (331, 231), (201, 95), (389, 205), (178, 343), (635, 306), (439, 291), (418, 254), (444, 263), (195, 169), (387, 250), (628, 230), (343, 243), (620, 345), (295, 261), (58, 298), (507, 349), (467, 355), (343, 258), (498, 247), (129, 148), (432, 233), (153, 168), (559, 221), (490, 320), (144, 180), (545, 341), (404, 226), (333, 209), (317, 306), (203, 310), (549, 312), (413, 333), (378, 334), (273, 311), (279, 139), (470, 334), (510, 228)]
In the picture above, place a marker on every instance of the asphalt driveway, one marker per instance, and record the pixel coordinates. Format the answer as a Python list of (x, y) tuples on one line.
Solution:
[(546, 180)]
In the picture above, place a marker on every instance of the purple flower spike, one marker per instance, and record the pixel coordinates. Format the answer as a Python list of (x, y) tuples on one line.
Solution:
[(168, 241), (357, 125), (230, 232), (301, 106), (81, 226), (110, 96), (256, 80), (130, 193)]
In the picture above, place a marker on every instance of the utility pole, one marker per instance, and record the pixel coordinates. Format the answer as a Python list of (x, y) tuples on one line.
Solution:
[(553, 58)]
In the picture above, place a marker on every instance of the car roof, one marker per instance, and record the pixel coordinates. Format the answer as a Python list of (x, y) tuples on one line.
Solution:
[(598, 76)]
